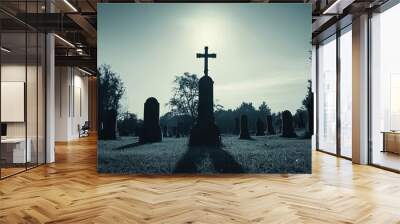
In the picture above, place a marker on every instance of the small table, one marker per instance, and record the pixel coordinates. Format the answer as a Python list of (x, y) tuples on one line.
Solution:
[(13, 150), (391, 141)]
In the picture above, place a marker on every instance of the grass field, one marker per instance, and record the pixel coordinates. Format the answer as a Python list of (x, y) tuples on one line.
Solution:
[(265, 154)]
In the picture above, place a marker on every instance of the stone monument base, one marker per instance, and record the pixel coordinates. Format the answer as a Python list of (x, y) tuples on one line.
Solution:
[(149, 135), (244, 136), (205, 135)]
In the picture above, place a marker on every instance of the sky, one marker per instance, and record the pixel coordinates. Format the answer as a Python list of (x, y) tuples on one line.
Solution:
[(262, 50)]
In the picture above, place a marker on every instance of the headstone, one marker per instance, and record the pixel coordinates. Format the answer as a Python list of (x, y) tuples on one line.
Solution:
[(278, 123), (270, 126), (244, 130), (151, 130), (205, 132), (260, 128), (310, 112), (288, 125), (165, 131), (236, 131), (109, 125)]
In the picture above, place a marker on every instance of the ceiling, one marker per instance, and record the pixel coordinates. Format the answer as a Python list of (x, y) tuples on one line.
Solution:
[(75, 21)]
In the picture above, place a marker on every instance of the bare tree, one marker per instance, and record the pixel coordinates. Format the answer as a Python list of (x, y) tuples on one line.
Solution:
[(185, 95)]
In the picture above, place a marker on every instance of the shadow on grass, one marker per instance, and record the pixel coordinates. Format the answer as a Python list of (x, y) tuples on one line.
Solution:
[(135, 144), (248, 139), (222, 161)]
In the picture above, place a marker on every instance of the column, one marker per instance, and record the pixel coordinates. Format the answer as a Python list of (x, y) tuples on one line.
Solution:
[(360, 90)]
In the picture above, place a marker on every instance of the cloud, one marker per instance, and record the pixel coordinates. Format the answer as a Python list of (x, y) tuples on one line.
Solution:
[(255, 84)]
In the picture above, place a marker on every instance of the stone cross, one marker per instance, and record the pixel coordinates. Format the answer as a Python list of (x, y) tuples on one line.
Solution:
[(206, 55), (205, 132)]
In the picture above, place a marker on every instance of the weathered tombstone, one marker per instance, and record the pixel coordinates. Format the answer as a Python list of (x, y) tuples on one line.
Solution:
[(236, 131), (244, 130), (260, 128), (287, 125), (109, 125), (165, 131), (310, 113), (205, 132), (151, 130), (270, 126)]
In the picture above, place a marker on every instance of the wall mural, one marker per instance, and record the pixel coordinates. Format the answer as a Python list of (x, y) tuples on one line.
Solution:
[(204, 88)]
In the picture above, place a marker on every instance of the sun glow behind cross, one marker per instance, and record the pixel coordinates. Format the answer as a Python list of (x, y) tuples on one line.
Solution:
[(210, 30)]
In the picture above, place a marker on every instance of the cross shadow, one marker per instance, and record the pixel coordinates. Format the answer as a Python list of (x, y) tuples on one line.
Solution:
[(135, 144), (222, 161)]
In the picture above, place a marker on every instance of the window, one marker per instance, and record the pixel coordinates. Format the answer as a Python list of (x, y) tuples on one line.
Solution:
[(327, 95), (346, 92), (22, 89), (385, 89)]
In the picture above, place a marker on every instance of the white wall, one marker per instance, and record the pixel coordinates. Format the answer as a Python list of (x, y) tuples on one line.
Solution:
[(34, 125), (71, 102)]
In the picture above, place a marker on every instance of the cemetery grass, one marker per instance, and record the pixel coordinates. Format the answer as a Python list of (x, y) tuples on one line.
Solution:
[(262, 154)]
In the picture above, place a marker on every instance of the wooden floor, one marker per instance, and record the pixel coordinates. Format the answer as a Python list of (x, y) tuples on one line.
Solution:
[(71, 191), (387, 159)]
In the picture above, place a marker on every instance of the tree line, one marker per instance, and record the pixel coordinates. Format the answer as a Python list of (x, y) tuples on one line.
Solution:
[(183, 109)]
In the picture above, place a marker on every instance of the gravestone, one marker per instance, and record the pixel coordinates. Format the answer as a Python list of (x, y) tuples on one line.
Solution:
[(109, 125), (260, 127), (205, 132), (165, 131), (270, 126), (310, 113), (178, 135), (244, 130), (288, 125), (178, 130), (151, 130), (236, 131)]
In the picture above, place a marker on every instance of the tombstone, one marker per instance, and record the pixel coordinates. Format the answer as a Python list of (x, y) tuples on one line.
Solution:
[(236, 131), (270, 126), (165, 131), (278, 123), (205, 132), (260, 127), (310, 113), (151, 130), (244, 130), (287, 125), (109, 125)]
